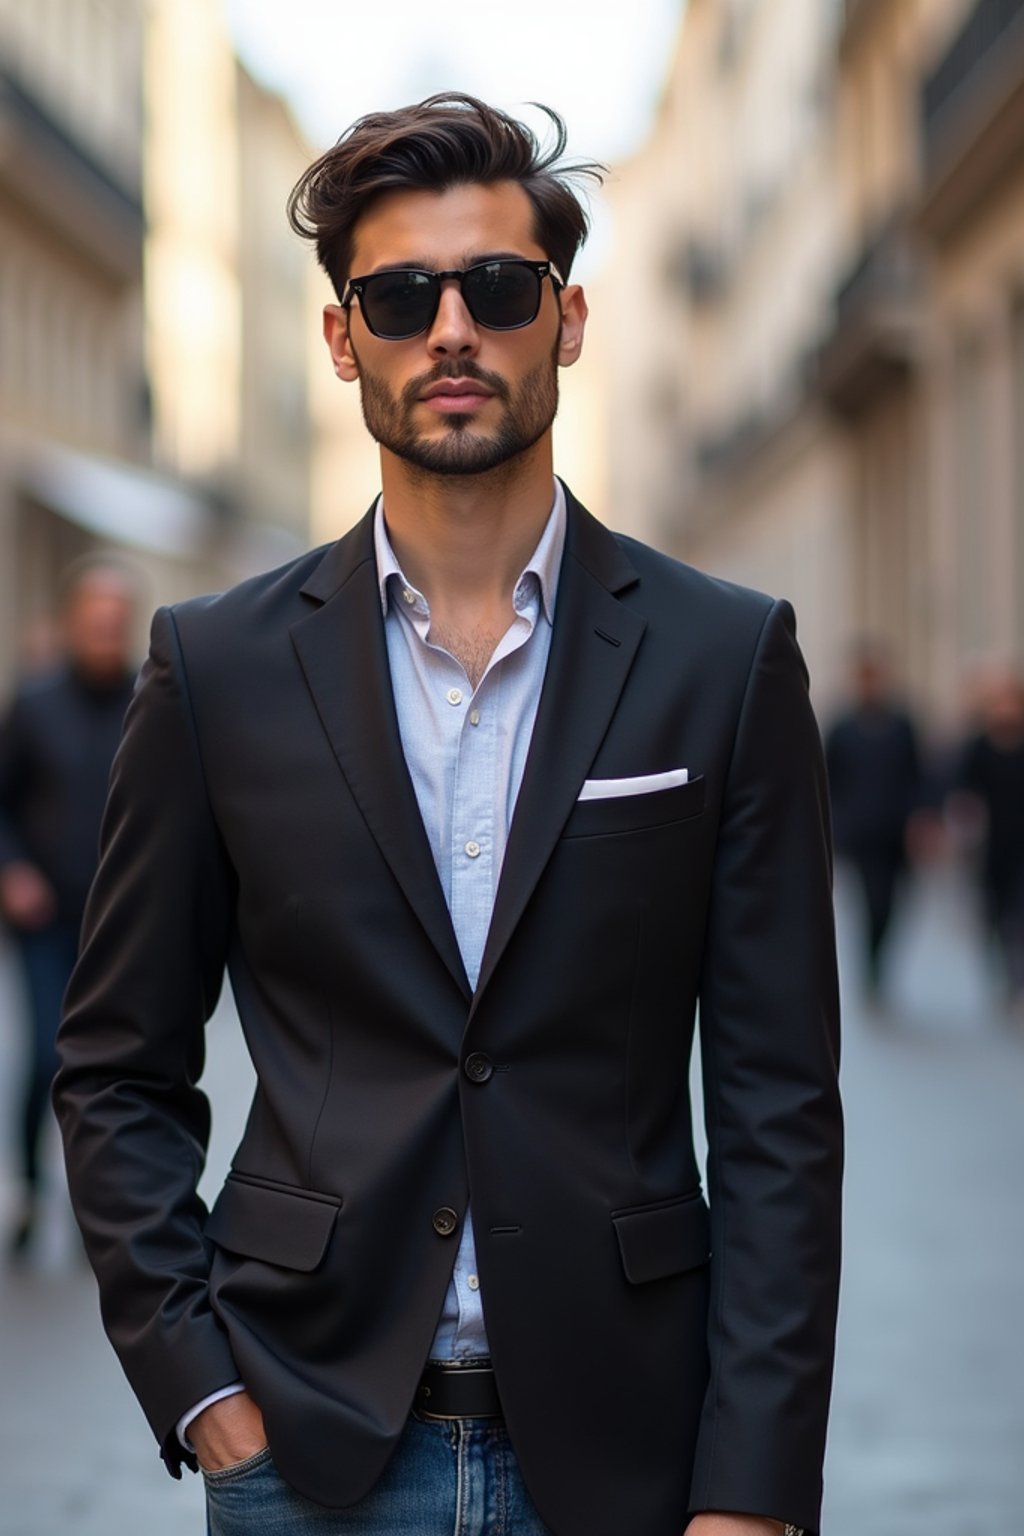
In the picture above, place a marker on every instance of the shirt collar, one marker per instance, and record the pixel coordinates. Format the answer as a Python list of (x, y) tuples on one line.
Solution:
[(544, 564)]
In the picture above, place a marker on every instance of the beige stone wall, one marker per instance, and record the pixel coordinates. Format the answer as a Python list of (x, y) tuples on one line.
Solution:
[(72, 371), (729, 219), (153, 373), (227, 289), (976, 468), (275, 438), (822, 392), (82, 57), (938, 487), (193, 287)]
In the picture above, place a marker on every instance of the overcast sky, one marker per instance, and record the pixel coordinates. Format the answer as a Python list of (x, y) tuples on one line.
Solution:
[(601, 64)]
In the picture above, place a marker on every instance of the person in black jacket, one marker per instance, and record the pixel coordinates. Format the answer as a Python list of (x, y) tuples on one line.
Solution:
[(993, 772), (475, 804), (874, 775), (57, 743)]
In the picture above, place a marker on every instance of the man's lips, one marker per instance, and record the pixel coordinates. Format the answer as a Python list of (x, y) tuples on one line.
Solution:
[(456, 395)]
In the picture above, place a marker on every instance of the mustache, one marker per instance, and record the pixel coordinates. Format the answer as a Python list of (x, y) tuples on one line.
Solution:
[(452, 369)]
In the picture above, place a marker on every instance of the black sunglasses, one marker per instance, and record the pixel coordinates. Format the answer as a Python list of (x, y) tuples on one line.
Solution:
[(503, 295)]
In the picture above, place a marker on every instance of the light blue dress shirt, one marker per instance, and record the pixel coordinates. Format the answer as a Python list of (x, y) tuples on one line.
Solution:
[(466, 750)]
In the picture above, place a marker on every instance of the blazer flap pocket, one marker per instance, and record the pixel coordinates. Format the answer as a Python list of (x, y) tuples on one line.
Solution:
[(635, 813), (274, 1224), (664, 1239)]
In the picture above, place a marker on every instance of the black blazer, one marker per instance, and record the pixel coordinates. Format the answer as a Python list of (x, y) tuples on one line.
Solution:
[(652, 1360)]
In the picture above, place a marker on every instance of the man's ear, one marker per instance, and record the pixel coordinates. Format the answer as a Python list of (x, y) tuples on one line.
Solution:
[(339, 343), (574, 322)]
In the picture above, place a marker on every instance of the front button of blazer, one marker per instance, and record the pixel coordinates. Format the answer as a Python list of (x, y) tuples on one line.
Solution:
[(478, 1067), (445, 1221)]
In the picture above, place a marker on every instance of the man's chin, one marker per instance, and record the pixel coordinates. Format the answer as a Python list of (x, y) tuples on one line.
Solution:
[(462, 454)]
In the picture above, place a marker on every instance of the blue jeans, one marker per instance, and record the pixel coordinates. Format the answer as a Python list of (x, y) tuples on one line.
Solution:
[(447, 1477)]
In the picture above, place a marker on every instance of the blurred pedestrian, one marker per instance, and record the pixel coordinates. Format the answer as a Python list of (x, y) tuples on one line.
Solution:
[(874, 771), (993, 773), (57, 743)]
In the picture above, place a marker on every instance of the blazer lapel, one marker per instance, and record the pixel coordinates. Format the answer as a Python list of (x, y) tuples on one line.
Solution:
[(343, 653), (594, 642)]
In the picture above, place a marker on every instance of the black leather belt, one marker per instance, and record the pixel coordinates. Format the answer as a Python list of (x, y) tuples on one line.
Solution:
[(458, 1391)]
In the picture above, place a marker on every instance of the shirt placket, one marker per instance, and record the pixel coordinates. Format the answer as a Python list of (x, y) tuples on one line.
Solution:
[(469, 732), (478, 801)]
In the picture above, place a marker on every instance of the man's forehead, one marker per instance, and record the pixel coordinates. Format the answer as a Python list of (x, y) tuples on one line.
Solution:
[(421, 227)]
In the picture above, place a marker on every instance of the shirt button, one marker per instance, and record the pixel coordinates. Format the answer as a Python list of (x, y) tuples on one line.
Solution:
[(409, 595), (454, 695), (473, 850), (474, 717), (478, 1067), (445, 1221), (473, 1282)]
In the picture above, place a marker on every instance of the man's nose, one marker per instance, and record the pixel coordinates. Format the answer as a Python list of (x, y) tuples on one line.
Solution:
[(454, 331)]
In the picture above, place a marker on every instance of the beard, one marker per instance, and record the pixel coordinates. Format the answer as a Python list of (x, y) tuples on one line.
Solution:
[(529, 410)]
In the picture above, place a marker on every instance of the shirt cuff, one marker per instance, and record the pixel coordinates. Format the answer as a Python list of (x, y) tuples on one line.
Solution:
[(193, 1413)]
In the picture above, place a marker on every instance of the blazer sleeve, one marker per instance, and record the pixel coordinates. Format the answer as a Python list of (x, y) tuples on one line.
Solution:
[(131, 1045), (769, 1019)]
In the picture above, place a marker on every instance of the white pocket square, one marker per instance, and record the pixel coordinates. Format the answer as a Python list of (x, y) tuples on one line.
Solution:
[(643, 784)]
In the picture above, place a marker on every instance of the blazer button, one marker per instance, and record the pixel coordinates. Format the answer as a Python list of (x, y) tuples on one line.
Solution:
[(445, 1221), (478, 1067)]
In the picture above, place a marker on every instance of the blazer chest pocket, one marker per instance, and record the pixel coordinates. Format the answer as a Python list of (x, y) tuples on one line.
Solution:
[(664, 1239), (635, 813), (273, 1223)]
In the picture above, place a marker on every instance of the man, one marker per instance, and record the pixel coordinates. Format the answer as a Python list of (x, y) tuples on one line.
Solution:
[(874, 772), (57, 743), (475, 803), (992, 772)]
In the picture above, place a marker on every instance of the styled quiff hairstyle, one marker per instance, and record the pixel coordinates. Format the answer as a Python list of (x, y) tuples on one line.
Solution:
[(442, 142)]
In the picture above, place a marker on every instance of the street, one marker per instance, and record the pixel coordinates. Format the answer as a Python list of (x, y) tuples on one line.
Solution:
[(928, 1421)]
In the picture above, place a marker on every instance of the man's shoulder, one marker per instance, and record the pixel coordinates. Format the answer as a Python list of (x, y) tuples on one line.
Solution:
[(655, 563), (674, 592)]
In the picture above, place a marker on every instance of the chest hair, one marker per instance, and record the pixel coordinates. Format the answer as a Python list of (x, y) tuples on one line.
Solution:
[(473, 648)]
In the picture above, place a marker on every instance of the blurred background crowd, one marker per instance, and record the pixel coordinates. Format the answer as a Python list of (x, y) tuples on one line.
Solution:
[(804, 371)]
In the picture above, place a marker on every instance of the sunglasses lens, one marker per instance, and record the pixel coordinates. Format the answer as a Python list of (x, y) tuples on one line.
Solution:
[(502, 294), (399, 304)]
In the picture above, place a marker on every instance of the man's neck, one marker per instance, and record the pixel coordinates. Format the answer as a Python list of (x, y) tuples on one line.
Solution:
[(463, 540)]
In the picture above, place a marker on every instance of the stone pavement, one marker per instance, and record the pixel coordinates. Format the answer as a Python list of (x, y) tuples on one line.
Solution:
[(928, 1426)]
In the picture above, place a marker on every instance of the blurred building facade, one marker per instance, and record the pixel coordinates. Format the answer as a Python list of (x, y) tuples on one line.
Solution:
[(72, 372), (729, 229), (156, 346), (924, 364), (825, 242)]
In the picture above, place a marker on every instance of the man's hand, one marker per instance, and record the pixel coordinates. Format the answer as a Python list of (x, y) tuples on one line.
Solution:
[(229, 1431), (733, 1525), (26, 896)]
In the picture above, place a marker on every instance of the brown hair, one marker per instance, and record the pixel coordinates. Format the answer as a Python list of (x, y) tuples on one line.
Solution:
[(442, 142)]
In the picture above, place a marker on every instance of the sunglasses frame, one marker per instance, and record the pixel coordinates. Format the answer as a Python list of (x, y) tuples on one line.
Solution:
[(355, 286)]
